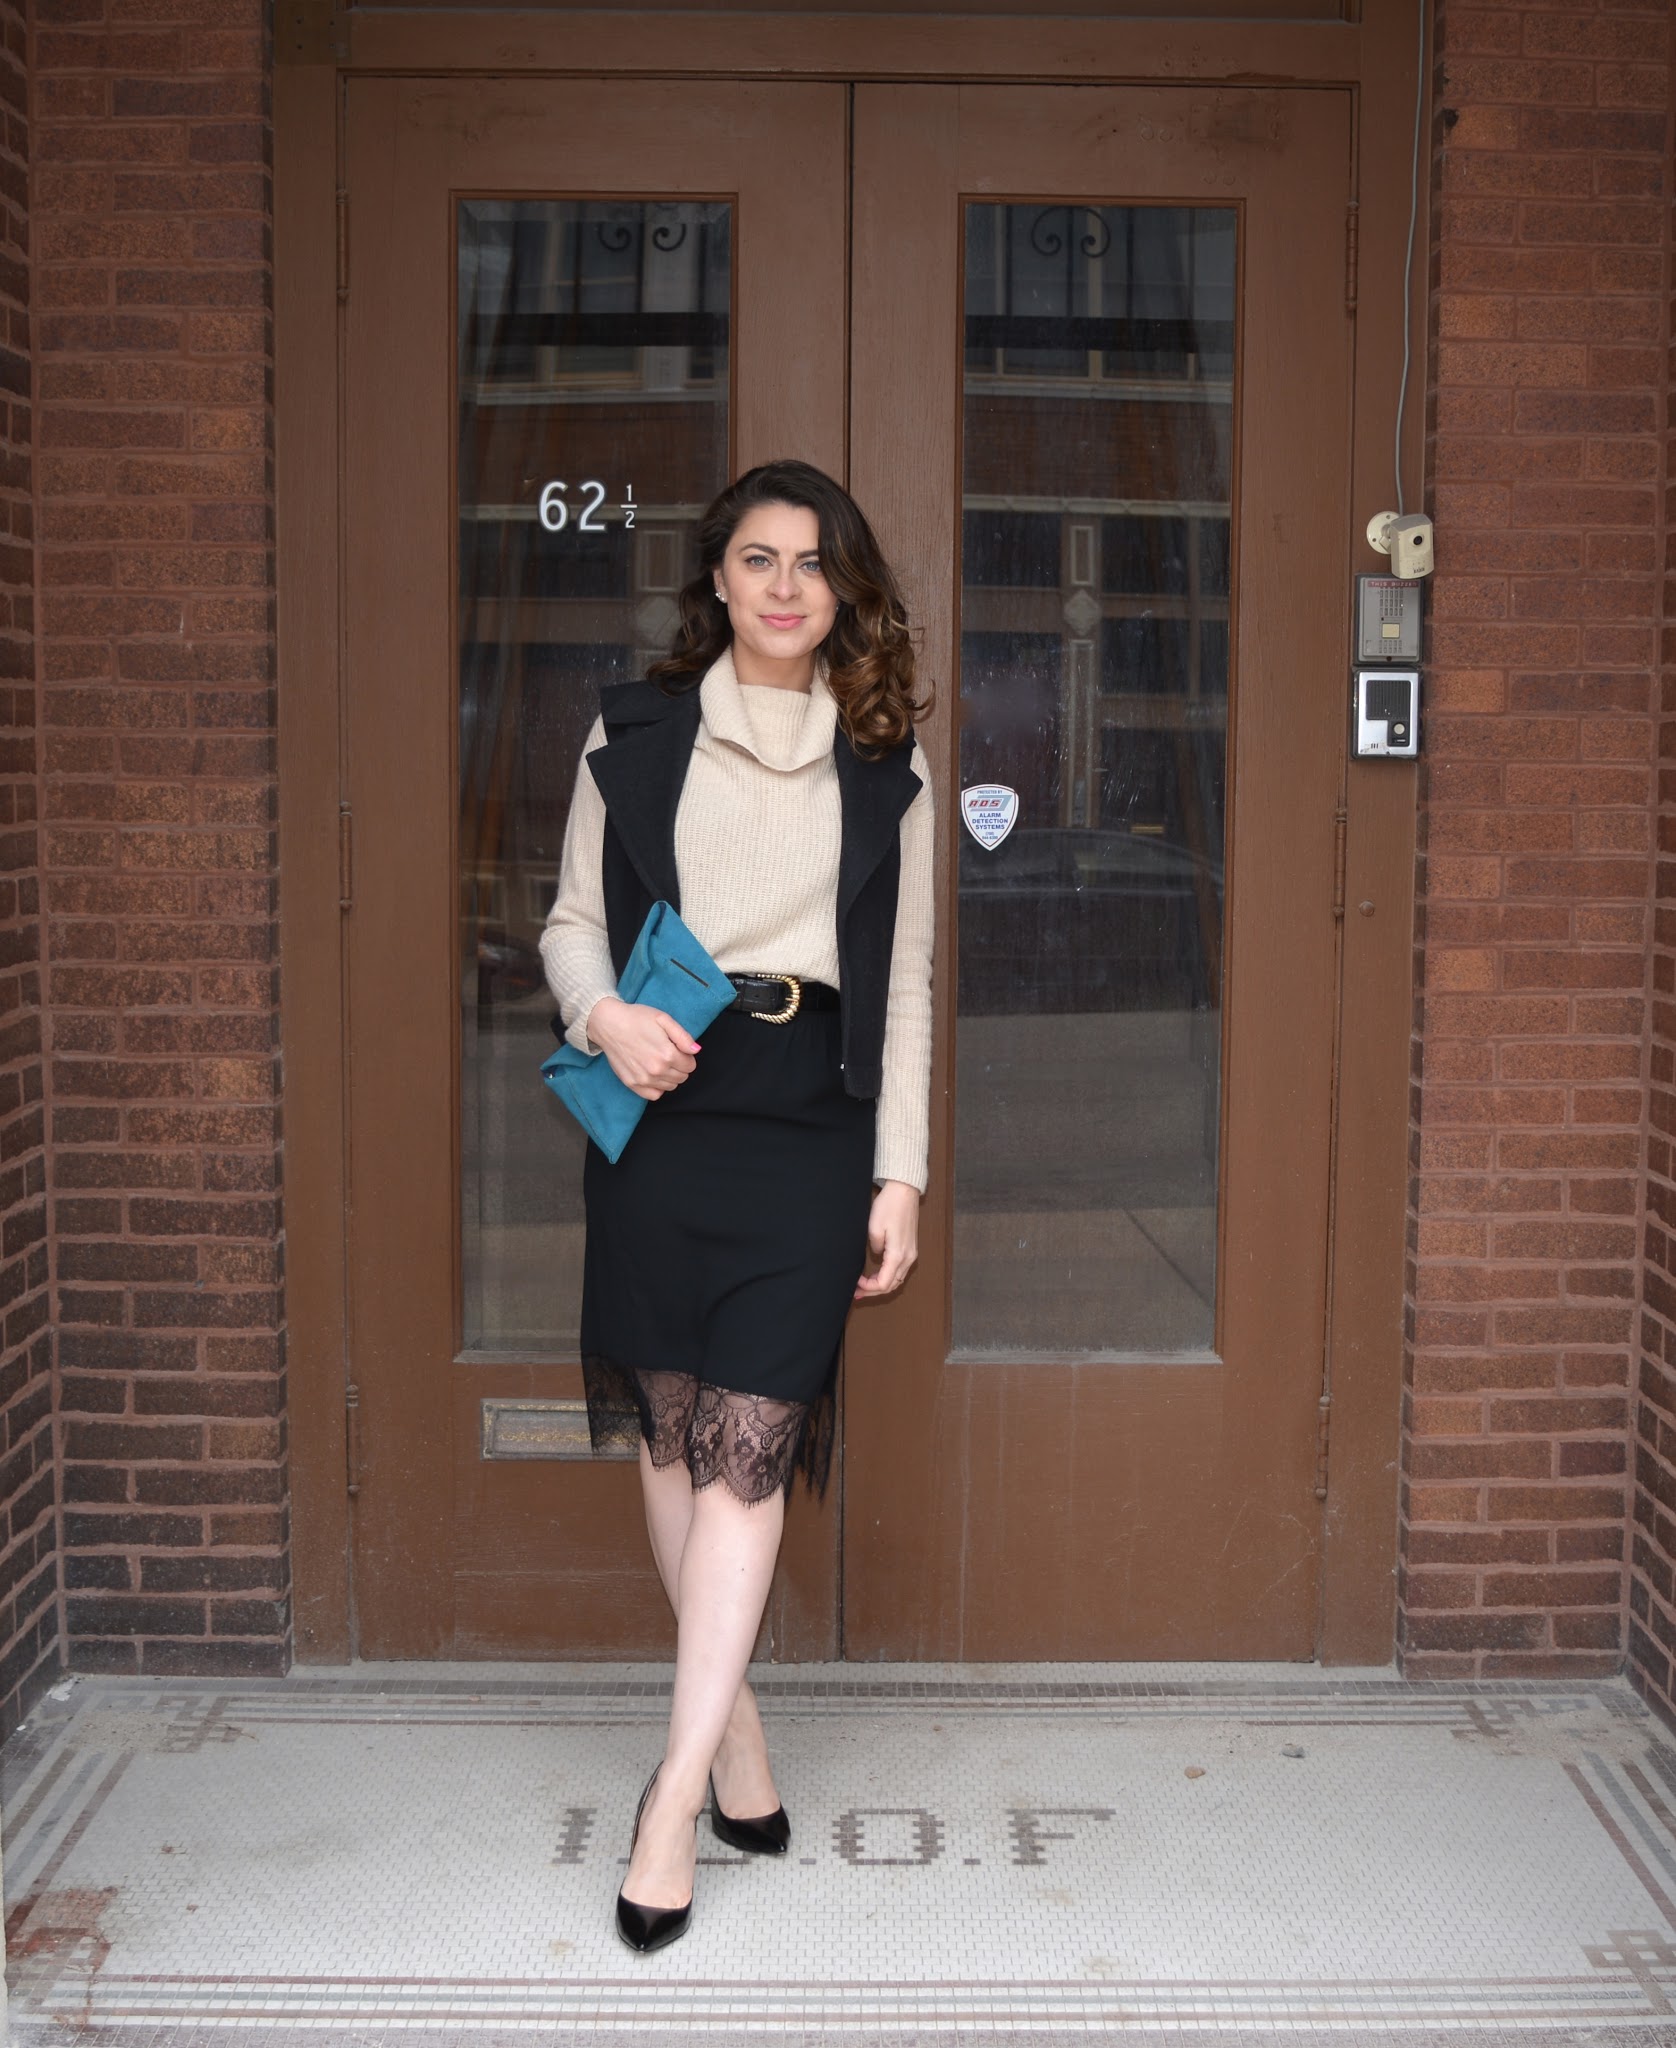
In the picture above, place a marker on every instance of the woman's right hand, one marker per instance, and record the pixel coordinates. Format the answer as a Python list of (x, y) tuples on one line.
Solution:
[(649, 1052)]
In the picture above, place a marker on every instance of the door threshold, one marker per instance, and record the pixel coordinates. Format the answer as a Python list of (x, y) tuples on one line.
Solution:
[(1156, 1673)]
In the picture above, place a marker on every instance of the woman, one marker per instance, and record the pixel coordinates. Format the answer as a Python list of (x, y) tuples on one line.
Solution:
[(766, 781)]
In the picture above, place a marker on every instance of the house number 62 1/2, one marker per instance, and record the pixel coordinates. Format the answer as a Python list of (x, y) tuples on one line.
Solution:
[(553, 508)]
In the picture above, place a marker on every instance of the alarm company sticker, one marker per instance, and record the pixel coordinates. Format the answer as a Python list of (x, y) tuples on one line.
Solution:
[(989, 809)]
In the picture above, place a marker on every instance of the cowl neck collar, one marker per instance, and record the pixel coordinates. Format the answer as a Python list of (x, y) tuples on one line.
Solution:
[(782, 729)]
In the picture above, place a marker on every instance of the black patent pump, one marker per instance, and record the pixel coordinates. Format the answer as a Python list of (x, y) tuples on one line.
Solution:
[(645, 1928), (768, 1836)]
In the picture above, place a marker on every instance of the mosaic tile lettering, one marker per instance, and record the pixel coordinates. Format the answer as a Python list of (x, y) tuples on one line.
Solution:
[(976, 1853)]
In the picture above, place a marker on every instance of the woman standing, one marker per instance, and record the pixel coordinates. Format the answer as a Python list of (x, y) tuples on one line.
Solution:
[(765, 781)]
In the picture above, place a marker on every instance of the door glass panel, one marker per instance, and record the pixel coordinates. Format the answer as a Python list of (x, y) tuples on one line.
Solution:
[(1094, 682), (593, 429)]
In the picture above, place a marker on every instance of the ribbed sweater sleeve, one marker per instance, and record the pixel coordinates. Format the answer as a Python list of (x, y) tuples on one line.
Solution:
[(575, 949), (902, 1145)]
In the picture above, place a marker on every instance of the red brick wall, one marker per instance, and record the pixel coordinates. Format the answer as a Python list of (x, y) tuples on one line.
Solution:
[(153, 287), (29, 1633), (1652, 1592), (1544, 461)]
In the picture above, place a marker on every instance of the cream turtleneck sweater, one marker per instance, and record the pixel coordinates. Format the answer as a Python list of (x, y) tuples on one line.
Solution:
[(757, 837)]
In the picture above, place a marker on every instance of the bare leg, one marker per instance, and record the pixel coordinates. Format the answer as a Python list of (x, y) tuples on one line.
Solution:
[(727, 1566), (744, 1780)]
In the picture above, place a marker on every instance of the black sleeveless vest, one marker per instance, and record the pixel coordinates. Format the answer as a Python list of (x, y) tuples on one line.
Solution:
[(640, 772)]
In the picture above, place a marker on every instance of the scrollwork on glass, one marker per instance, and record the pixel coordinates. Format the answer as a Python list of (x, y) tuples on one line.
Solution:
[(1047, 241), (619, 234)]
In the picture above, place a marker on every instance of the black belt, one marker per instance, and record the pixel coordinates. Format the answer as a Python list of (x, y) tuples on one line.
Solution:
[(777, 998)]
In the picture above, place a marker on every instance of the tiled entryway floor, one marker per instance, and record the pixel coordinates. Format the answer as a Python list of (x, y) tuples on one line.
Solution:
[(1019, 1853)]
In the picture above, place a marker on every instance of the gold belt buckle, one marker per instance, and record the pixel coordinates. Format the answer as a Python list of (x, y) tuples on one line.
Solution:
[(790, 1011)]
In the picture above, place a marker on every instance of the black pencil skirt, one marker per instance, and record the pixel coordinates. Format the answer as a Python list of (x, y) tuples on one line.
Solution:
[(723, 1249)]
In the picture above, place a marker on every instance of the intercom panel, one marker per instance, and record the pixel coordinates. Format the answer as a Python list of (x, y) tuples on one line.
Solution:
[(1385, 713), (1388, 619)]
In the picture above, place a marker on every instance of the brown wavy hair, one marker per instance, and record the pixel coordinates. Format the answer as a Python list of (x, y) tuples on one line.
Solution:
[(869, 654)]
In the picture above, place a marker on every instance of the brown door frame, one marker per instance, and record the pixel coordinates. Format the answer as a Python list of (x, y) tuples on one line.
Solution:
[(316, 49)]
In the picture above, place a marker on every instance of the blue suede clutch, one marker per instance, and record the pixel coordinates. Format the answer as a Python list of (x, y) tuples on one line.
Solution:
[(671, 971)]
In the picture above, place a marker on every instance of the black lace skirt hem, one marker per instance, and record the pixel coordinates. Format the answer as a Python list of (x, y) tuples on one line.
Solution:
[(753, 1445), (723, 1250)]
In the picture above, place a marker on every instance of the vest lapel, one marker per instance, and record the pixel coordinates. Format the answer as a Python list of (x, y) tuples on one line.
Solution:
[(640, 774), (874, 796), (641, 771)]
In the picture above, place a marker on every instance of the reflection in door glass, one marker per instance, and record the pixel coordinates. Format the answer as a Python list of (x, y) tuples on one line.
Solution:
[(1094, 682), (593, 390)]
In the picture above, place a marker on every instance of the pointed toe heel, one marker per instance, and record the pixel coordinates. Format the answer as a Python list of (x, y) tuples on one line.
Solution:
[(645, 1928), (770, 1835)]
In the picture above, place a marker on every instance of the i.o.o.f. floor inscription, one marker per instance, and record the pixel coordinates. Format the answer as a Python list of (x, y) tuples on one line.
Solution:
[(980, 1853)]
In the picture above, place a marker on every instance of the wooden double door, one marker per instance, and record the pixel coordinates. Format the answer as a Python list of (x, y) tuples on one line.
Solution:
[(1083, 356)]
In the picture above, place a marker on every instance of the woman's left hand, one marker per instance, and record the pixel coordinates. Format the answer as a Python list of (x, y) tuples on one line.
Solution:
[(892, 1239)]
